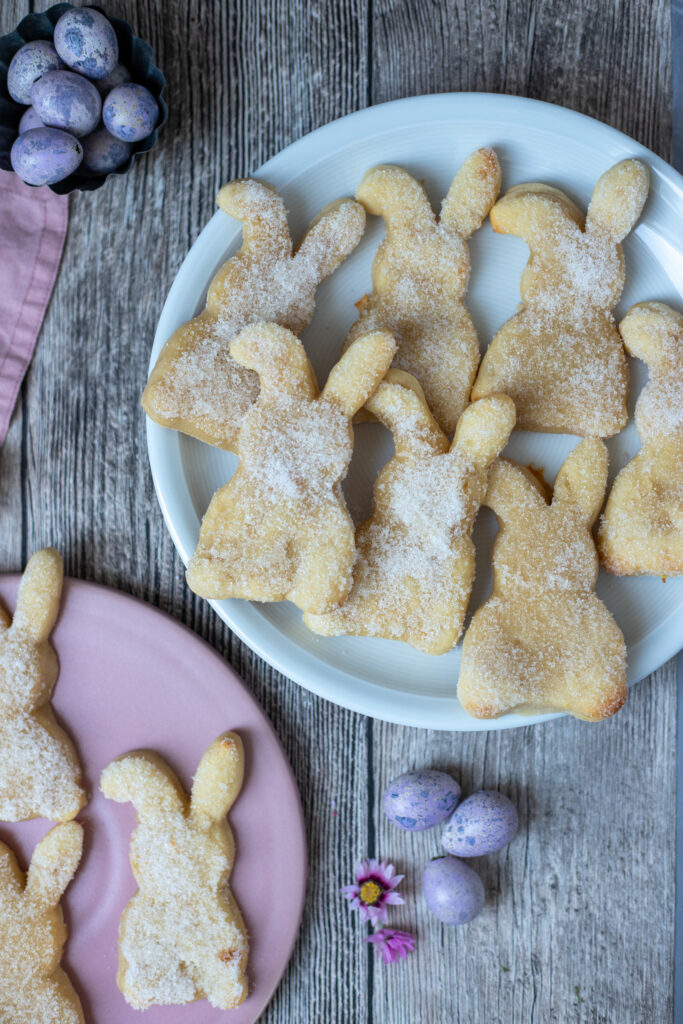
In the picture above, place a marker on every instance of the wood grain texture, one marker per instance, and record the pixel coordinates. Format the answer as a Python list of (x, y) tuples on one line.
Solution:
[(578, 922)]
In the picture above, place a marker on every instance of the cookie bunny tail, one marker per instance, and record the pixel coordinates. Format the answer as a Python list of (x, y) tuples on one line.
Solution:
[(394, 194), (357, 374), (218, 779), (474, 190), (54, 863), (582, 478), (618, 199), (399, 403), (334, 233), (265, 230), (278, 357), (39, 595)]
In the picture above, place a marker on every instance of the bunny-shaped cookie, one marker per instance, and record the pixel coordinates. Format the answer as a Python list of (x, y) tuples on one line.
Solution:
[(196, 387), (642, 528), (182, 936), (543, 641), (33, 987), (279, 529), (415, 566), (420, 276), (560, 357), (39, 770)]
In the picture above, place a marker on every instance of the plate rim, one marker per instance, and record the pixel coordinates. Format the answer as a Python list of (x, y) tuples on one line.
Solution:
[(422, 711)]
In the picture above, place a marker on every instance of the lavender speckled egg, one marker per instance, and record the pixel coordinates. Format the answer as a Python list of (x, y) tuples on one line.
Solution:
[(29, 119), (452, 890), (103, 153), (42, 156), (130, 112), (86, 41), (419, 800), (27, 65), (118, 76), (63, 99), (483, 823)]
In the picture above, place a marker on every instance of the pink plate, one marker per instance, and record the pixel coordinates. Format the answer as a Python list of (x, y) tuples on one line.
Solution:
[(131, 677)]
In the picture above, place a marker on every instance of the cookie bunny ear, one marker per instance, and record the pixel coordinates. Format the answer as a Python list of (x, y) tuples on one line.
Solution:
[(512, 490), (334, 233), (618, 199), (484, 428), (39, 594), (393, 194), (278, 357), (354, 378), (143, 779), (399, 403), (219, 778), (582, 478), (651, 331), (473, 192), (264, 218), (54, 863), (537, 213)]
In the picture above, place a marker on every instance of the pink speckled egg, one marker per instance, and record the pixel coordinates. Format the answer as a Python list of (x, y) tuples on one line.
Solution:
[(63, 99), (42, 156), (419, 800), (103, 153), (130, 112), (86, 41), (483, 823), (27, 65), (453, 892)]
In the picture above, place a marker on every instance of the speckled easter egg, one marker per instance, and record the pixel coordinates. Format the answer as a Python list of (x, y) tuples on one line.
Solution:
[(419, 800), (63, 99), (42, 156), (483, 823), (452, 890), (86, 41), (130, 112), (27, 65), (103, 153), (118, 76), (29, 119)]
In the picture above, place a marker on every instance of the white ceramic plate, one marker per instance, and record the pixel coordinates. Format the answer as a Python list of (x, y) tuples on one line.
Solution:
[(431, 136)]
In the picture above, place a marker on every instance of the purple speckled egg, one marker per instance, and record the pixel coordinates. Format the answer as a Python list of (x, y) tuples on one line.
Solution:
[(452, 890), (419, 800), (27, 65), (63, 99), (483, 823), (42, 156), (86, 41), (29, 119), (130, 112), (118, 76), (103, 153)]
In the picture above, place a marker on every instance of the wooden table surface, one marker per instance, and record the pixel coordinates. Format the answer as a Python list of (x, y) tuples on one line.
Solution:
[(578, 925)]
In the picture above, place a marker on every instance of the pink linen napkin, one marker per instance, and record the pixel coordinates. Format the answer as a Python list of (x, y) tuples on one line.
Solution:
[(32, 230)]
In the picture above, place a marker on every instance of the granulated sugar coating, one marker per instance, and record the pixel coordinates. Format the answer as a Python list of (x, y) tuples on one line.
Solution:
[(420, 276), (33, 987), (182, 936), (279, 529), (642, 527), (39, 771), (560, 358), (543, 641), (415, 564), (196, 386)]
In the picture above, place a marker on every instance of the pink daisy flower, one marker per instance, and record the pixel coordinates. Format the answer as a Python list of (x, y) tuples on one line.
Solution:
[(374, 889), (392, 945)]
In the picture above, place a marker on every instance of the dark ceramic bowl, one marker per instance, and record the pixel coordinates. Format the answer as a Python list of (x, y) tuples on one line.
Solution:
[(134, 53)]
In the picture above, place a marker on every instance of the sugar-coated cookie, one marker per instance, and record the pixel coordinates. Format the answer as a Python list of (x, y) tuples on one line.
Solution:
[(415, 565), (196, 387), (420, 277), (642, 528), (182, 936), (543, 641), (33, 987), (279, 529), (40, 776), (560, 358)]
